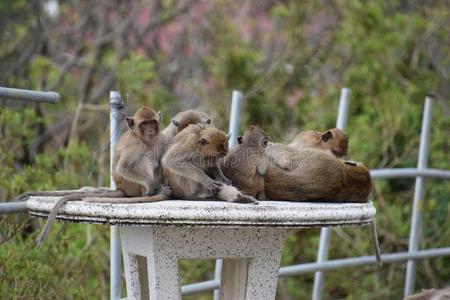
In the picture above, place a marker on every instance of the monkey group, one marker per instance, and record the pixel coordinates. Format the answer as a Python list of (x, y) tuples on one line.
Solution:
[(189, 159)]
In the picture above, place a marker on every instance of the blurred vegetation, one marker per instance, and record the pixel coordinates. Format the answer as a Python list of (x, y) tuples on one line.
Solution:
[(290, 58)]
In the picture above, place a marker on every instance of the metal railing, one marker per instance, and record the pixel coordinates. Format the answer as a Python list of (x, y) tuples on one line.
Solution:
[(322, 263)]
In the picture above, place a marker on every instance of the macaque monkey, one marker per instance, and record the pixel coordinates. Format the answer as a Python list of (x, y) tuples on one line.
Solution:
[(191, 166), (333, 140), (308, 173), (182, 120), (136, 167), (246, 163), (314, 175)]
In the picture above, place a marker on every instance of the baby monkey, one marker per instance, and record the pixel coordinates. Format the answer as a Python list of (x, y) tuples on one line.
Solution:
[(192, 169), (246, 163)]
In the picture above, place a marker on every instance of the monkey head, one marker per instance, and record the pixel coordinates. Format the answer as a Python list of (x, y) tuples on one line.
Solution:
[(145, 123), (254, 136), (335, 140), (213, 143), (185, 118)]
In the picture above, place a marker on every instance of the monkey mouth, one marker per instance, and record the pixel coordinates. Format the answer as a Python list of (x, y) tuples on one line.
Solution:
[(337, 153)]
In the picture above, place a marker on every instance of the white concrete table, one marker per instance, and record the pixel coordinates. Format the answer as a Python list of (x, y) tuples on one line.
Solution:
[(248, 237)]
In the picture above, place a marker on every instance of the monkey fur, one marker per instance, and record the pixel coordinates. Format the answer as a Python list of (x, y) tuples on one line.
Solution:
[(333, 140), (246, 164), (192, 169), (136, 167)]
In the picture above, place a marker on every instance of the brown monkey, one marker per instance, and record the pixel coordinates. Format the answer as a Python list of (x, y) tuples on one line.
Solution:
[(178, 123), (334, 140), (191, 166), (310, 174), (246, 163), (182, 120), (136, 167), (314, 175)]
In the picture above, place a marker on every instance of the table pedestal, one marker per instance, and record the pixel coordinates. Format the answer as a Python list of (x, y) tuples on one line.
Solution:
[(250, 266)]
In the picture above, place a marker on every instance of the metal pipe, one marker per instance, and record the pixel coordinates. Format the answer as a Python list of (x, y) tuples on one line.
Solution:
[(236, 105), (116, 104), (13, 207), (419, 194), (29, 95), (319, 277), (409, 172), (329, 265)]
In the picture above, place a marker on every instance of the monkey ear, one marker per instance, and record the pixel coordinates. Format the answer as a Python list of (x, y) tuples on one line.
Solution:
[(202, 142), (208, 121), (176, 123), (264, 142), (160, 116), (130, 122), (240, 139), (327, 136)]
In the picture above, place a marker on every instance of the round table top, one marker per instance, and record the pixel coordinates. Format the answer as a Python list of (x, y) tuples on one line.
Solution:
[(209, 213)]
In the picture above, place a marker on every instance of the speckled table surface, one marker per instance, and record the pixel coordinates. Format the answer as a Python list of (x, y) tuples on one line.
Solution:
[(209, 213)]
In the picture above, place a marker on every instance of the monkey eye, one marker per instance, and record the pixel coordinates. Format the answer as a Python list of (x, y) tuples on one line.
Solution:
[(203, 142), (208, 121)]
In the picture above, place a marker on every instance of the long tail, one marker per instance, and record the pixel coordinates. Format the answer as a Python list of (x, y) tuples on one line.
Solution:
[(145, 199), (60, 203), (376, 245)]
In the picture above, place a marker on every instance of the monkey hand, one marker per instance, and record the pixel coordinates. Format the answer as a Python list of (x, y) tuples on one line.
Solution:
[(213, 186), (165, 190), (246, 199), (225, 180)]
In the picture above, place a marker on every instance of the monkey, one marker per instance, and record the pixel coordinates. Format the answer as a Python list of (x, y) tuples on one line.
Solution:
[(181, 120), (192, 168), (334, 140), (136, 167), (315, 174), (177, 124), (246, 163)]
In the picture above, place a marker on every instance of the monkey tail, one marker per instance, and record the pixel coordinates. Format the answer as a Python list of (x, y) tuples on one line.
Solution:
[(376, 245), (60, 203), (144, 199)]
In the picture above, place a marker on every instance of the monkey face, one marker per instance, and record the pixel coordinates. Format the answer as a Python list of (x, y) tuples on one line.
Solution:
[(335, 140), (148, 129), (213, 143), (255, 136)]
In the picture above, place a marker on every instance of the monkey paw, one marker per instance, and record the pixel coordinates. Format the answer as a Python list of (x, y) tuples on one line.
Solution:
[(213, 186), (165, 190), (226, 180), (246, 199)]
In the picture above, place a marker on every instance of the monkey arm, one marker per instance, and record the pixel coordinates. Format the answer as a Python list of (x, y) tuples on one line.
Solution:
[(217, 174), (184, 168), (135, 172), (262, 165)]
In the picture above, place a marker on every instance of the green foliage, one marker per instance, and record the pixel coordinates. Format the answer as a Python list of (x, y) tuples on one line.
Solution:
[(390, 53)]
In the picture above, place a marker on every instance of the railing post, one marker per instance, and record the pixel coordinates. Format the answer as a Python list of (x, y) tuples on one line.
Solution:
[(116, 104), (419, 194), (319, 277), (236, 104)]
